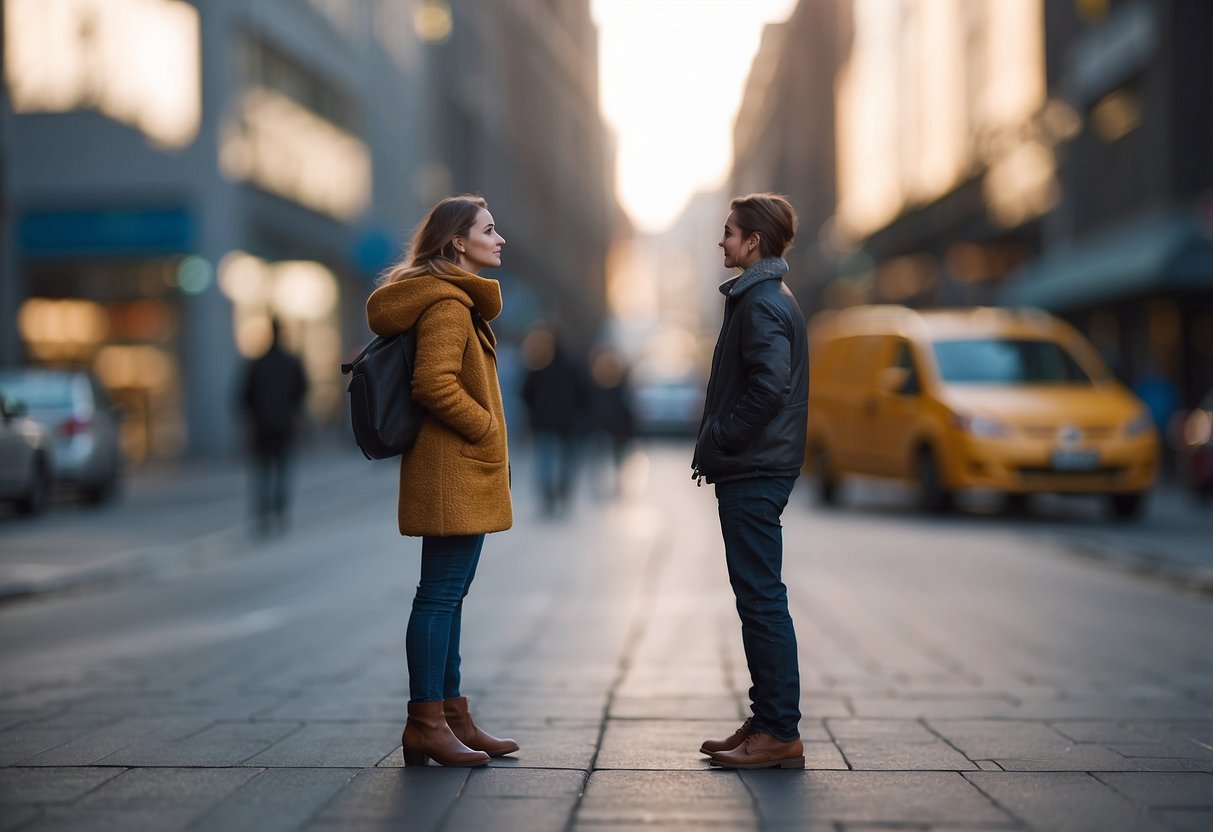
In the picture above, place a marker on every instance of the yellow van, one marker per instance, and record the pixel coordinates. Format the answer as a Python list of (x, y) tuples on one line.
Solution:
[(1014, 401)]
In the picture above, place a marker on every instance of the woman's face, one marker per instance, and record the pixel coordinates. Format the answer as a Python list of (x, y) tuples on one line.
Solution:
[(740, 252), (481, 247)]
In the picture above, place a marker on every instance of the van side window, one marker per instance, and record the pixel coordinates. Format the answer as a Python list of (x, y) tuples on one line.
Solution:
[(905, 358)]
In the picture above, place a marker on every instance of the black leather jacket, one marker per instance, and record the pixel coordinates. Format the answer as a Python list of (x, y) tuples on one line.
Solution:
[(756, 407)]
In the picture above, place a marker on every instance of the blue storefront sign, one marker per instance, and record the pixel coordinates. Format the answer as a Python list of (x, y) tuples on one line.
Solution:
[(114, 232)]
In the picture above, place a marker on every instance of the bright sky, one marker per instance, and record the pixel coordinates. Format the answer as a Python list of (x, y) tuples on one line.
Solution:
[(671, 77)]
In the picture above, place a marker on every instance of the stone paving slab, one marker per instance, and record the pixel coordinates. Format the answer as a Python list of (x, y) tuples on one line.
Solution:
[(417, 799), (1163, 791), (220, 744), (1063, 802), (1027, 746), (898, 745), (659, 745), (332, 744), (37, 786), (924, 798), (276, 800), (511, 814), (659, 798)]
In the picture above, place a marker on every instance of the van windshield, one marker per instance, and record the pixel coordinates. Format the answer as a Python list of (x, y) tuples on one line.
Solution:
[(1005, 361)]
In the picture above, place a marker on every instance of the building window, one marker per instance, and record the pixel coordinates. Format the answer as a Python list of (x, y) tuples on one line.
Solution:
[(136, 61)]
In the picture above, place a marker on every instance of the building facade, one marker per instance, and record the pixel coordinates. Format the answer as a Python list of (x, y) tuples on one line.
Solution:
[(1127, 252), (517, 119), (177, 173), (784, 136)]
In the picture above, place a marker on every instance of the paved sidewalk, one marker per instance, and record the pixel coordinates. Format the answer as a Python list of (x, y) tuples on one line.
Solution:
[(145, 533), (63, 550), (955, 677)]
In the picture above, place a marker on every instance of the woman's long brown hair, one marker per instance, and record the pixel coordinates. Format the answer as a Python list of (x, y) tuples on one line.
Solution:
[(433, 248)]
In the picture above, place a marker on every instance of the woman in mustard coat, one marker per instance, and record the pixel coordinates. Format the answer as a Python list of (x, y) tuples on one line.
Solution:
[(455, 481)]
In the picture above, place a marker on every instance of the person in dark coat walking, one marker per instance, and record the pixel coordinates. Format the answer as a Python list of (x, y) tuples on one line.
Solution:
[(272, 397), (554, 394), (612, 423), (751, 447)]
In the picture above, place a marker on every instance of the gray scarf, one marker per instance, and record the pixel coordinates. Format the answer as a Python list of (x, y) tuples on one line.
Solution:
[(768, 268)]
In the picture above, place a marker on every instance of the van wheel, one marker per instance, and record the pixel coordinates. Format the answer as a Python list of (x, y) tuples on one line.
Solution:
[(34, 501), (1016, 504), (933, 497), (827, 480), (1127, 506)]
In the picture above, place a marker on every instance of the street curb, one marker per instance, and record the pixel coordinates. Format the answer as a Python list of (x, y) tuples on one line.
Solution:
[(1140, 561), (156, 561), (139, 563)]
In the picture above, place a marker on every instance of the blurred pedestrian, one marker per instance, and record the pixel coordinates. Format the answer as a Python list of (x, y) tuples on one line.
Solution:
[(553, 391), (271, 396), (612, 424), (455, 481), (751, 446)]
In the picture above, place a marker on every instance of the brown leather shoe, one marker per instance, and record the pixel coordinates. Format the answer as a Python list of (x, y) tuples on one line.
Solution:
[(761, 750), (711, 747), (428, 737), (460, 719)]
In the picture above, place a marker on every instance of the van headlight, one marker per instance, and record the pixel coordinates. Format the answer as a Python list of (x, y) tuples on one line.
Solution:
[(983, 426), (1142, 423)]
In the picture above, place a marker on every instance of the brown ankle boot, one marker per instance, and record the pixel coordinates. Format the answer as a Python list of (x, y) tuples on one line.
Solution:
[(761, 750), (711, 747), (427, 736), (460, 719)]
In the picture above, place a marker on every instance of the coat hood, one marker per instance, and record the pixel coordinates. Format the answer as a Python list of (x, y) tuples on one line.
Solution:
[(768, 268), (395, 307)]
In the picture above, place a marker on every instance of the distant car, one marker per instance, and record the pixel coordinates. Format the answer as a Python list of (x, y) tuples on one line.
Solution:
[(668, 406), (25, 458), (84, 426), (1013, 401)]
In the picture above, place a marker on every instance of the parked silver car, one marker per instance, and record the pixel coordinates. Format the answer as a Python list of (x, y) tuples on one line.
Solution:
[(84, 425), (25, 458)]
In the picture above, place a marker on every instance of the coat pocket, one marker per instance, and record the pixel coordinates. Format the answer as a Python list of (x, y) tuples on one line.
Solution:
[(491, 447)]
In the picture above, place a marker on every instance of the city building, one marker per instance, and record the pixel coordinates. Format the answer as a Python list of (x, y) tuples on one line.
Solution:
[(784, 135), (1127, 251), (175, 173), (517, 119)]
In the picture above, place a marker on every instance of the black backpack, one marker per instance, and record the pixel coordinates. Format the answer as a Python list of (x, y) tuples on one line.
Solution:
[(385, 418)]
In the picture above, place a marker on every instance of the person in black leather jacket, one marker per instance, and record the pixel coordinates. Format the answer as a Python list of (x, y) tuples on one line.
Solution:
[(751, 447)]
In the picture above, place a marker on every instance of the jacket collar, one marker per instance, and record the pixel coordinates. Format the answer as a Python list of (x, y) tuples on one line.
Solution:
[(768, 268)]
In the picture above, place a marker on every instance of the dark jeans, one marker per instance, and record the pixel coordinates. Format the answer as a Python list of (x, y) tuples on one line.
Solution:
[(448, 565), (753, 546), (271, 482), (555, 468)]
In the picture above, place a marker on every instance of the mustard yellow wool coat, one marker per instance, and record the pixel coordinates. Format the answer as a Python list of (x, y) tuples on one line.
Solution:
[(456, 479)]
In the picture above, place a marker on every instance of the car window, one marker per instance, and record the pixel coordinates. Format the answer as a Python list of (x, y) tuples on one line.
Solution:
[(1006, 361), (905, 359), (38, 390), (101, 397)]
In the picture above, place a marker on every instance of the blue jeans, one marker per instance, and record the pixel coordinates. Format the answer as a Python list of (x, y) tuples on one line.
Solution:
[(448, 565), (753, 544)]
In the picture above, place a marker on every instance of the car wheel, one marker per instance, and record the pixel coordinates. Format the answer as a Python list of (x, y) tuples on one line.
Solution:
[(34, 501), (1017, 504), (827, 480), (1127, 506), (101, 492), (933, 497)]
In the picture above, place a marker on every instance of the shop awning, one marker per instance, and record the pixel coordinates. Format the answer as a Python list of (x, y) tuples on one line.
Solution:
[(1158, 253)]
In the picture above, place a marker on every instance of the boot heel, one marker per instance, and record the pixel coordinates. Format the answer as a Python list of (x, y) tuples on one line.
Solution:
[(413, 757), (797, 762)]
